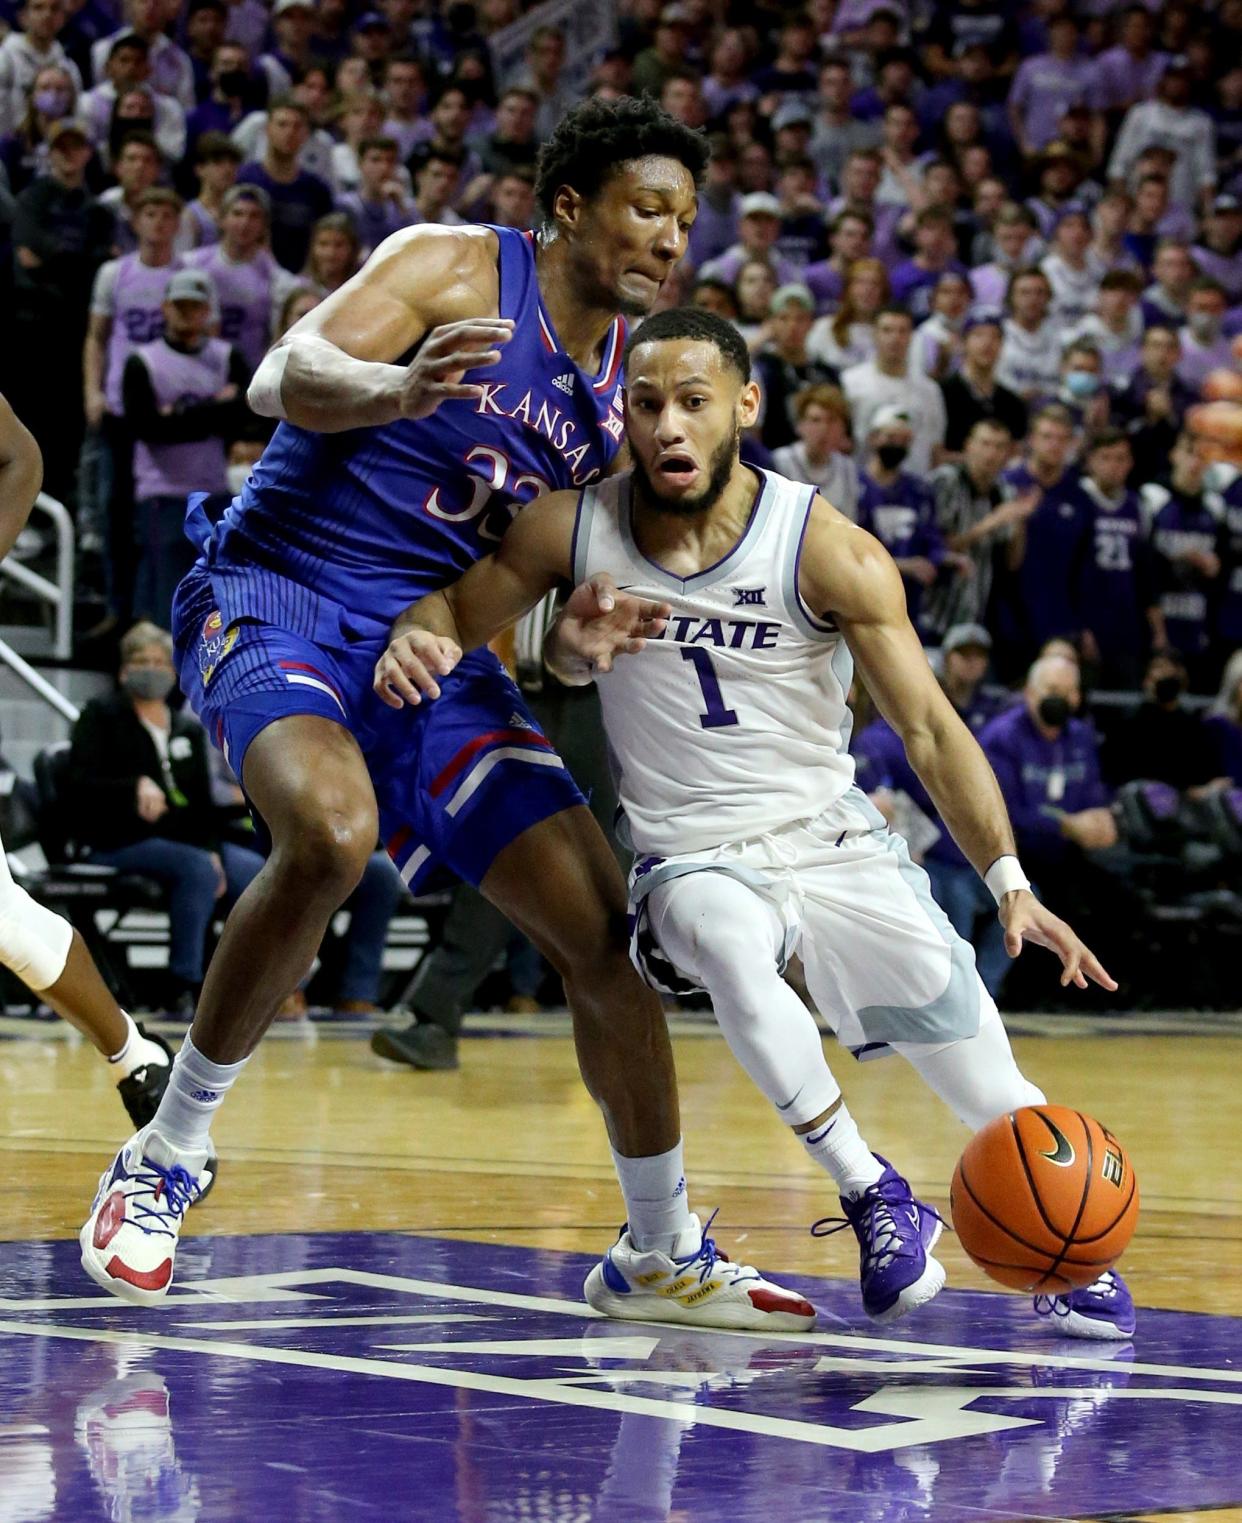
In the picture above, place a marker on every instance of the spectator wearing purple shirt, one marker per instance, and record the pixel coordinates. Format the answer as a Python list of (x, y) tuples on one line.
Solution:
[(792, 71), (898, 508), (298, 199), (1046, 84), (1047, 764), (1130, 71), (230, 96), (720, 205), (915, 279), (172, 73), (1204, 345), (1218, 252), (1164, 301), (1016, 246), (248, 283), (759, 227), (1040, 602), (849, 238), (728, 80), (379, 206), (859, 182)]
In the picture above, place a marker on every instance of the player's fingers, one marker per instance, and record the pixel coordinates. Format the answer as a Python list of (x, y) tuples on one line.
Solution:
[(602, 663), (491, 330), (1013, 942), (462, 359), (410, 668), (1096, 971), (386, 691), (446, 391), (632, 647), (604, 588), (447, 656)]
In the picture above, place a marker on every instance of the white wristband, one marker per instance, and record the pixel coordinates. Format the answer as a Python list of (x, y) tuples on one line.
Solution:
[(1005, 876)]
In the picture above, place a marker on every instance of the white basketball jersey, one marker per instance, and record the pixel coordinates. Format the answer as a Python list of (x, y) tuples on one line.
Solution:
[(735, 721)]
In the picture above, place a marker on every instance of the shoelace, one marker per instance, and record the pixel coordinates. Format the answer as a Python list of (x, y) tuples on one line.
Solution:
[(708, 1252), (177, 1194), (884, 1239), (1058, 1306)]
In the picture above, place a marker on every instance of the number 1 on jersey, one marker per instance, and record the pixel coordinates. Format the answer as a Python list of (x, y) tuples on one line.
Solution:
[(717, 715)]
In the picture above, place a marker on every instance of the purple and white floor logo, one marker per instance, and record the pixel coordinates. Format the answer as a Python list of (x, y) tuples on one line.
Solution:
[(296, 1377)]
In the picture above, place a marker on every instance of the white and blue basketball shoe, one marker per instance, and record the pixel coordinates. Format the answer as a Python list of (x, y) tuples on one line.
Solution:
[(698, 1288), (129, 1241)]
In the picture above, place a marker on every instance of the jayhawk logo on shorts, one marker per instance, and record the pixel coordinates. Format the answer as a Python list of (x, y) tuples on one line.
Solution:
[(215, 643)]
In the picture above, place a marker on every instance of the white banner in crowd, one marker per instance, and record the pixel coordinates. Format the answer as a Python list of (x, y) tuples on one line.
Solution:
[(590, 27)]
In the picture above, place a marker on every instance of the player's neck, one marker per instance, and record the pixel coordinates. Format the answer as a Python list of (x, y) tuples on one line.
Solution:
[(580, 327), (685, 544)]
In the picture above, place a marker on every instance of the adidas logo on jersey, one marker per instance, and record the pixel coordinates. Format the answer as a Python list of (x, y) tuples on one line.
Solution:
[(517, 722), (564, 383)]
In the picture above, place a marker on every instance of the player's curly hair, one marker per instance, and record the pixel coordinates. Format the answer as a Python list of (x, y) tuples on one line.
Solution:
[(592, 142), (697, 326)]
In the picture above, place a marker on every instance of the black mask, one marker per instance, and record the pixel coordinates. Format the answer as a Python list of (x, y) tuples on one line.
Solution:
[(233, 82), (1054, 711), (1167, 689), (891, 456)]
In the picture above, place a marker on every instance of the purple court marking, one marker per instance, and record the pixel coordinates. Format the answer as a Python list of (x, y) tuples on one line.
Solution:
[(374, 1376)]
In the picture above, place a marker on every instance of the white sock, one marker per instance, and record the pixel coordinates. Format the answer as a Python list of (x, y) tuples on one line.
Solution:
[(657, 1203), (195, 1090), (837, 1147), (137, 1052)]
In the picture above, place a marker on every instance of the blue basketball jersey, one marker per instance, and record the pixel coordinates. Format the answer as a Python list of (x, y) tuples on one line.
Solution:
[(337, 533)]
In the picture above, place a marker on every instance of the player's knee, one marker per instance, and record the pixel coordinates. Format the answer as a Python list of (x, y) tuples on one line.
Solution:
[(325, 845), (34, 943), (594, 953)]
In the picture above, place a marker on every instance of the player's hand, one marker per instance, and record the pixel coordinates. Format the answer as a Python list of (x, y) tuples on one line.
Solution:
[(150, 800), (407, 671), (600, 622), (435, 373), (1026, 919)]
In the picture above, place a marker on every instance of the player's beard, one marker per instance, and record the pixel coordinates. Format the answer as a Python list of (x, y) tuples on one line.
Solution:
[(721, 468)]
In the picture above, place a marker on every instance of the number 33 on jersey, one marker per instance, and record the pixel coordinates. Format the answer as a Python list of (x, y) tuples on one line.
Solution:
[(735, 721)]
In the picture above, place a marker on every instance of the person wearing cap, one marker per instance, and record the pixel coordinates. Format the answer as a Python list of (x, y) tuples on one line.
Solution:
[(1171, 121), (23, 53), (249, 285), (1218, 252), (172, 73), (886, 379), (371, 40), (759, 227), (884, 770), (182, 394), (293, 27), (61, 234), (792, 72), (897, 507), (1060, 172), (972, 393), (783, 367)]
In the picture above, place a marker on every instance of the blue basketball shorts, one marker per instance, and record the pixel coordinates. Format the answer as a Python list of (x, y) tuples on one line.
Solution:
[(456, 779)]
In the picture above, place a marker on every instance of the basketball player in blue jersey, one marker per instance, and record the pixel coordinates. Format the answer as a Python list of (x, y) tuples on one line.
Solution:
[(730, 730), (463, 372)]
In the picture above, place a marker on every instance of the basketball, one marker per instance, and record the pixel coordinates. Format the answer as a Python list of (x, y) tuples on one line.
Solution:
[(1044, 1199)]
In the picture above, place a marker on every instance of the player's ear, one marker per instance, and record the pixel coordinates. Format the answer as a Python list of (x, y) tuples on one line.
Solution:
[(748, 401), (566, 207)]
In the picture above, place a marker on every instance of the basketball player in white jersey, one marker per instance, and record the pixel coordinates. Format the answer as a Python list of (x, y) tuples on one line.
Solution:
[(728, 721), (43, 950)]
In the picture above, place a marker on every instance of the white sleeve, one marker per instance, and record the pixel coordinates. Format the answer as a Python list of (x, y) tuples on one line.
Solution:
[(1128, 145), (103, 292)]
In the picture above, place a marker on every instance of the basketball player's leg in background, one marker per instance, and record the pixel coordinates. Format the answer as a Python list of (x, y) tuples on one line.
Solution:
[(308, 783), (558, 882), (50, 957), (719, 932)]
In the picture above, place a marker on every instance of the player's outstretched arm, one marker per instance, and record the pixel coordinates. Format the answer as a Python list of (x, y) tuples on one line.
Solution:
[(429, 638), (337, 369), (846, 572), (21, 476)]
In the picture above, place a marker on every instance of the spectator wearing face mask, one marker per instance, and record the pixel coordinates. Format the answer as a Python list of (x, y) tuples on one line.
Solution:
[(1047, 763), (141, 799), (1204, 345), (1115, 326), (24, 151), (1082, 391), (1162, 740), (24, 53)]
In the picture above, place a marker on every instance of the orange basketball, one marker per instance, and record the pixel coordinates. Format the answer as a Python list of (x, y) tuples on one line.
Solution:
[(1044, 1199)]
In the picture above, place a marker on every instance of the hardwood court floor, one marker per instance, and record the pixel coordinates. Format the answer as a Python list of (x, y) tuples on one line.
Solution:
[(379, 1314), (320, 1136)]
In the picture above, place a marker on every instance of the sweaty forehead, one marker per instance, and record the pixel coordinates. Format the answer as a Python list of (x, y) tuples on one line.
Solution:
[(658, 175), (665, 364)]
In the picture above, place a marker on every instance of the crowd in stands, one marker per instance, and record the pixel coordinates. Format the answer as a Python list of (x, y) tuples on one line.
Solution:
[(986, 257)]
